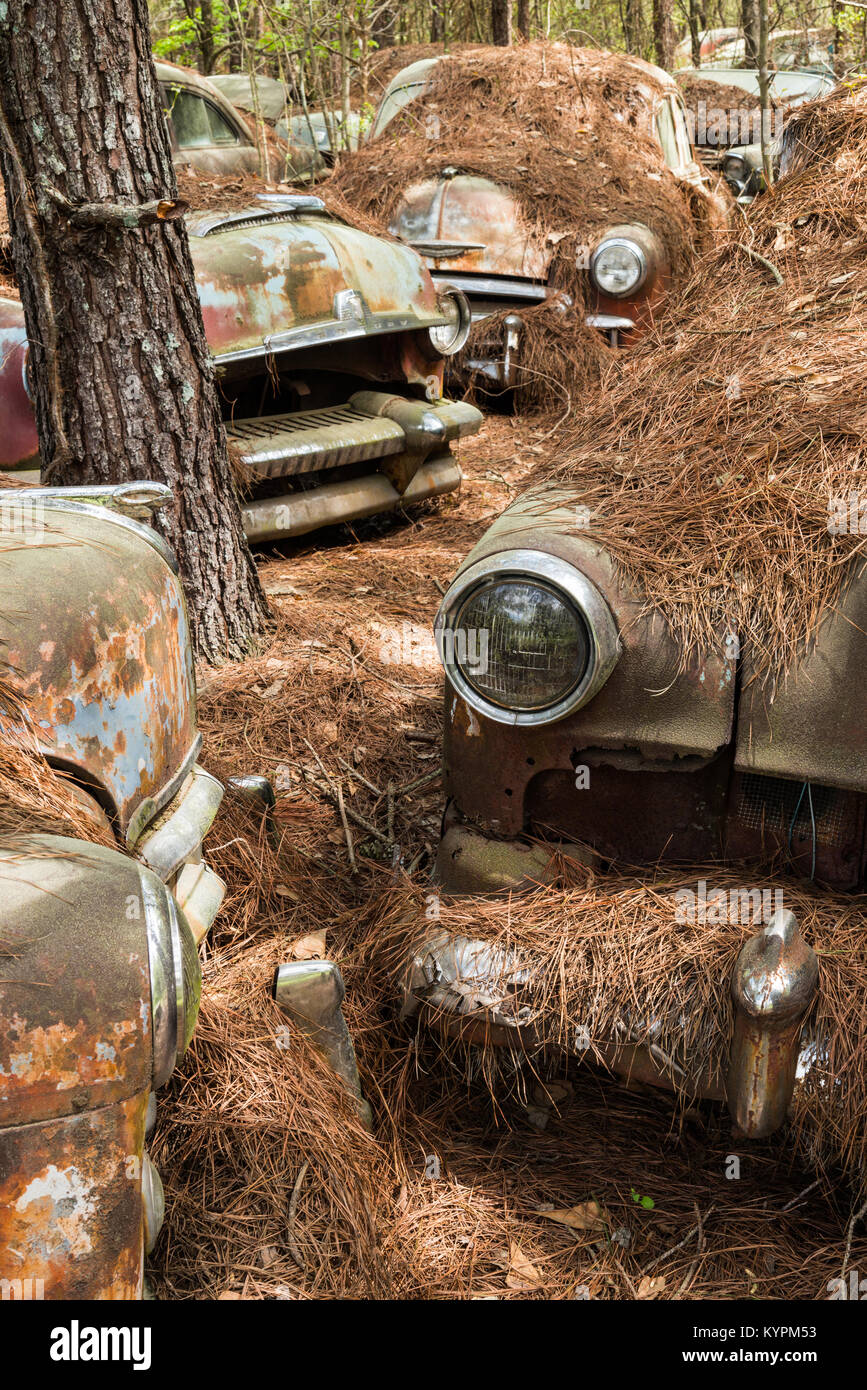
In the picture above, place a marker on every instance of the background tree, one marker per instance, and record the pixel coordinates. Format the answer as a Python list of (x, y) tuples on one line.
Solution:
[(663, 33), (120, 368), (501, 22)]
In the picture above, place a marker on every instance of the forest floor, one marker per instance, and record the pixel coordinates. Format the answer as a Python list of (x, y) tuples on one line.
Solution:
[(475, 1183)]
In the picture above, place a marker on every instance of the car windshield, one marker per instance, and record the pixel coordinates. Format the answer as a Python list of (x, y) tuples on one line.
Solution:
[(406, 87), (196, 122)]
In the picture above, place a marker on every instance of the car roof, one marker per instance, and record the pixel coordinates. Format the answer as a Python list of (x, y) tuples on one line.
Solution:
[(783, 83), (415, 74)]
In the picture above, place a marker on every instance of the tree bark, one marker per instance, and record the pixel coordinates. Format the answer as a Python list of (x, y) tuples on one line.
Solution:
[(696, 25), (524, 18), (501, 22), (437, 21), (632, 26), (663, 34), (121, 374), (749, 24)]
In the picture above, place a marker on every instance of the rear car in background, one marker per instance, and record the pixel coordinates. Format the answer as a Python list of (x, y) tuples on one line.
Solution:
[(211, 135), (328, 344), (730, 136), (100, 979)]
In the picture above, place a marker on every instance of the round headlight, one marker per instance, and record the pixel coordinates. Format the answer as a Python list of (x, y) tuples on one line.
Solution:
[(735, 168), (449, 337), (525, 637), (176, 977), (618, 266)]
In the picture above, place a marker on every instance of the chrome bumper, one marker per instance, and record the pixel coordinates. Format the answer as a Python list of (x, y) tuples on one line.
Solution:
[(172, 847), (481, 993)]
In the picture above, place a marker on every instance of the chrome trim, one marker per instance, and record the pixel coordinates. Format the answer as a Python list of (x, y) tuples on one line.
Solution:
[(134, 499), (580, 592), (492, 286), (58, 501), (446, 250), (465, 323), (282, 206), (153, 1199), (311, 992), (609, 322), (334, 330), (165, 848), (160, 920), (147, 810), (633, 246)]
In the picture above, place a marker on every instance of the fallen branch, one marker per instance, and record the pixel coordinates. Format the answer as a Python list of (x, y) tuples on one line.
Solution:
[(116, 216)]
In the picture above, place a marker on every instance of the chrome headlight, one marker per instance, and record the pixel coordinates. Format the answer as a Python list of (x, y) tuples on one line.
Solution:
[(448, 338), (736, 169), (176, 976), (618, 266), (525, 637)]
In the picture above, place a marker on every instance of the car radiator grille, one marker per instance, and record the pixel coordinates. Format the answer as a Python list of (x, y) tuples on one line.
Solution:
[(769, 803), (277, 446)]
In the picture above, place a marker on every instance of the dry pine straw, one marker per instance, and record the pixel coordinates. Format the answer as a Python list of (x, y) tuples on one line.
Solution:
[(244, 1117), (709, 465)]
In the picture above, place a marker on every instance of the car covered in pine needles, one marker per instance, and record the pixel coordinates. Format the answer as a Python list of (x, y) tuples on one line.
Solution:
[(654, 693), (328, 345), (556, 186)]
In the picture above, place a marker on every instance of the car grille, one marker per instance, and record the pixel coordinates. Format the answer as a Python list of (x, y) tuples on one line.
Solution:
[(769, 803), (277, 446)]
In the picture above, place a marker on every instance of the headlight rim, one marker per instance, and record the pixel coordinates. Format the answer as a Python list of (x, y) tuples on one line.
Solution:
[(165, 926), (579, 591), (620, 239), (465, 323)]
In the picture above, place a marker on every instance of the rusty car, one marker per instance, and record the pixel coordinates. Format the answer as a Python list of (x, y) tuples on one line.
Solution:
[(328, 345), (101, 662), (211, 135), (630, 700), (475, 234)]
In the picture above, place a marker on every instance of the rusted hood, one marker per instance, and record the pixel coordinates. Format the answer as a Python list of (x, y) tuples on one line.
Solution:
[(469, 224), (93, 625), (260, 277)]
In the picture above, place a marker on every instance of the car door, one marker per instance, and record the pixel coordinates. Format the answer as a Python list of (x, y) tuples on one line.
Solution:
[(203, 135)]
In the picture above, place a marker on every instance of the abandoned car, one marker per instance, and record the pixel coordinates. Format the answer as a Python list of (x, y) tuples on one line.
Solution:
[(654, 670), (328, 345), (209, 133), (502, 234), (99, 658), (729, 131)]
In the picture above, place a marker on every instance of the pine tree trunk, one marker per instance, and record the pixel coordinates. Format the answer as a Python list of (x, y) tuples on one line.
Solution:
[(524, 18), (501, 22), (120, 368), (663, 34)]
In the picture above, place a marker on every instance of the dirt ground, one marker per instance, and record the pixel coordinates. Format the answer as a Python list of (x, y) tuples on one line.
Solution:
[(476, 1184)]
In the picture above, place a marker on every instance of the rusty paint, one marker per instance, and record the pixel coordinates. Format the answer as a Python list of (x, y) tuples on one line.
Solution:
[(259, 280), (71, 1224), (104, 657), (75, 1022)]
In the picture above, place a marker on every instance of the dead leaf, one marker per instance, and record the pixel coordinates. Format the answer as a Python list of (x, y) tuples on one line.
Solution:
[(522, 1274), (312, 946), (651, 1287), (586, 1216)]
